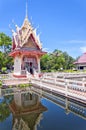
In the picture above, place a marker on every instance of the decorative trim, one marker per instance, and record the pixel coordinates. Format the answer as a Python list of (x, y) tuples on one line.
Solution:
[(19, 76)]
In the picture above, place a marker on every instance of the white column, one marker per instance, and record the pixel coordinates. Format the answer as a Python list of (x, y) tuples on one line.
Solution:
[(17, 99), (17, 65), (38, 65)]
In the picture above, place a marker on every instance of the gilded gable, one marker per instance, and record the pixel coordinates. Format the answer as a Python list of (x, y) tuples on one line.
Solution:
[(30, 44), (21, 36)]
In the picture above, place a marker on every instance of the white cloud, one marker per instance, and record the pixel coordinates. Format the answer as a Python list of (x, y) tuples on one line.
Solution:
[(74, 41), (77, 41), (46, 50), (83, 49)]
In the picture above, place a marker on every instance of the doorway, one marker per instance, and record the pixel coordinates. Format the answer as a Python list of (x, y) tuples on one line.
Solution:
[(29, 67)]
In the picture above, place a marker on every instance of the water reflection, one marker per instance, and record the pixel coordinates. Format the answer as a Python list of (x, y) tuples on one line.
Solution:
[(27, 111), (4, 109), (69, 105)]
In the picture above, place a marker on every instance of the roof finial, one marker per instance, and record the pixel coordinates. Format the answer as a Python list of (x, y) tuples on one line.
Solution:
[(26, 10)]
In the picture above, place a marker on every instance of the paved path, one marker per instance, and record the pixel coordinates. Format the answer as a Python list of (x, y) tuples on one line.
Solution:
[(52, 84)]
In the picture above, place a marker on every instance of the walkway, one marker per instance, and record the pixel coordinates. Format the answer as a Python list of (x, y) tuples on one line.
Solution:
[(60, 83), (63, 88)]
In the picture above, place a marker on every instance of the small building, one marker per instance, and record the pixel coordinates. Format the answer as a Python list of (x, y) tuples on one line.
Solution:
[(26, 50), (81, 62), (27, 111)]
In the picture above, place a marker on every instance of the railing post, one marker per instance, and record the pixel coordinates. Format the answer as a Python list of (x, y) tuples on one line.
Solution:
[(66, 87), (40, 82), (55, 80), (83, 83), (44, 76), (66, 106)]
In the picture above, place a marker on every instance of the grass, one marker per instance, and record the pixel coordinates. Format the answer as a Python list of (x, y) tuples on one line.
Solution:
[(0, 83)]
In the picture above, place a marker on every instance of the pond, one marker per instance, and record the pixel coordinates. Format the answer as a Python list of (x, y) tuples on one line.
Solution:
[(40, 110)]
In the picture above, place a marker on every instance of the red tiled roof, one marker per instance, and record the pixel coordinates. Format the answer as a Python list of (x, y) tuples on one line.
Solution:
[(82, 59)]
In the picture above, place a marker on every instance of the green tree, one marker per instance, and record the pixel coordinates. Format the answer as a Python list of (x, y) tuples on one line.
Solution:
[(57, 60), (5, 43), (5, 48), (68, 61), (4, 107), (4, 111), (44, 62)]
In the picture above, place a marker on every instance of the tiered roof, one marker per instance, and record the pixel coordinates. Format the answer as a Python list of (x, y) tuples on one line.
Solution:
[(26, 40), (81, 60), (21, 36)]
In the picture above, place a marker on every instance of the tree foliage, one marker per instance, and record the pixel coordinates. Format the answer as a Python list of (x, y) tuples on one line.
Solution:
[(5, 43), (5, 48), (57, 60), (4, 109)]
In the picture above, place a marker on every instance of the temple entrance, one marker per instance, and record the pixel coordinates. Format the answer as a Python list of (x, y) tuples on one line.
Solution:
[(29, 67), (30, 64)]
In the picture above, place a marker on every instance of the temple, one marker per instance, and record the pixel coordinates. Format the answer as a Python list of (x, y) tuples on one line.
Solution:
[(27, 111), (80, 63), (26, 50)]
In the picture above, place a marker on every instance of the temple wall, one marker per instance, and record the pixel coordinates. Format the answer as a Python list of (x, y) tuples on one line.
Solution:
[(81, 64), (81, 67), (25, 99), (17, 65), (29, 99)]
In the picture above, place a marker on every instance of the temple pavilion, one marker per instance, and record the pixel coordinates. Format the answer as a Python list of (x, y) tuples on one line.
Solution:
[(27, 111), (81, 62), (26, 50)]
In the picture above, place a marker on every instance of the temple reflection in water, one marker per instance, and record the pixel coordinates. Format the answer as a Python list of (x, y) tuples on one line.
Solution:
[(37, 109), (69, 105), (27, 111)]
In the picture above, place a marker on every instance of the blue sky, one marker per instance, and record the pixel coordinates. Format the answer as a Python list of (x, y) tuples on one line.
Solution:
[(61, 23)]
